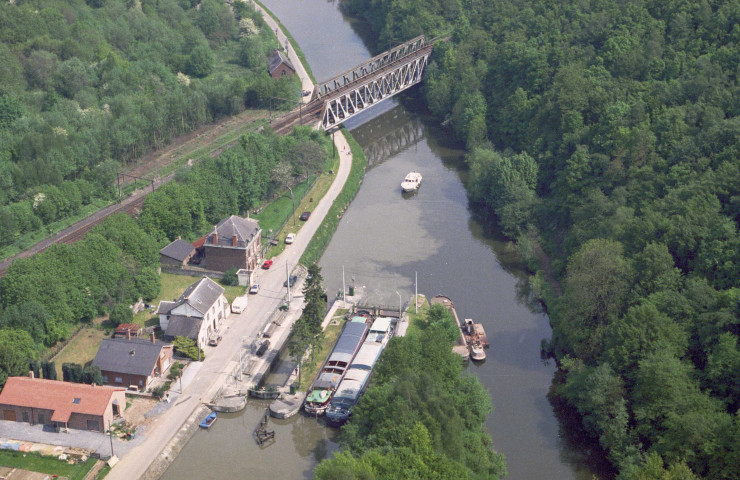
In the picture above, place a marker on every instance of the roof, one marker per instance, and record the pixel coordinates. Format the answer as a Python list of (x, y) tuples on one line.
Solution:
[(245, 230), (136, 357), (200, 295), (381, 325), (367, 356), (125, 327), (275, 59), (180, 250), (346, 346), (351, 387), (64, 398), (180, 326)]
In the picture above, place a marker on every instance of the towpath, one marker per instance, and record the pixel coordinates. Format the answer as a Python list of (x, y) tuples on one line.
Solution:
[(216, 370)]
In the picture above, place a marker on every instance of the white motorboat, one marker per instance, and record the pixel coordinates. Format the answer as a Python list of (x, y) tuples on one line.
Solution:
[(411, 182)]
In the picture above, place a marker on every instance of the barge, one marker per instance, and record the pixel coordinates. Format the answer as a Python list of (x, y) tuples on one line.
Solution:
[(336, 365), (355, 380)]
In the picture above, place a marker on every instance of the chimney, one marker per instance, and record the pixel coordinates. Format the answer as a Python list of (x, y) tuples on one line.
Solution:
[(128, 334), (234, 240), (179, 237), (151, 337), (30, 374), (215, 236)]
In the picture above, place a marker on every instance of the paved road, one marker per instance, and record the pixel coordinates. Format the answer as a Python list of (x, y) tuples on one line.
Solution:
[(306, 83), (215, 370)]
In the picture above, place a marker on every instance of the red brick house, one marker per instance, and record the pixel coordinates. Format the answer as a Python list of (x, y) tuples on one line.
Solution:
[(278, 65), (62, 404), (234, 242), (132, 362)]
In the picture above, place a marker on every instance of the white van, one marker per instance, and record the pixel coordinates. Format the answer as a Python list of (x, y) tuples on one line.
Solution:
[(239, 304)]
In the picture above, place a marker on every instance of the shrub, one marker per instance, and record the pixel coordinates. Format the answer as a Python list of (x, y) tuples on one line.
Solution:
[(230, 278)]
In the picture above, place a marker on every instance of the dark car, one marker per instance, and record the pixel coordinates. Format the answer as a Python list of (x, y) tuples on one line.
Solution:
[(304, 216), (292, 280)]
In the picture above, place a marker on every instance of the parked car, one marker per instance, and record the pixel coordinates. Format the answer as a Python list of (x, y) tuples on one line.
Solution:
[(304, 216), (305, 93), (291, 279), (267, 264), (254, 288), (214, 339), (290, 238)]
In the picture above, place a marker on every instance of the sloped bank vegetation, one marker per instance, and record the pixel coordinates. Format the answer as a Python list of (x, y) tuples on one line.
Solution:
[(420, 417), (86, 87), (604, 135)]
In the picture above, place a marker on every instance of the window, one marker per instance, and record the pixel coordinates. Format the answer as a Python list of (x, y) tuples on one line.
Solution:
[(77, 400), (93, 425), (105, 378), (25, 417), (42, 419), (119, 380)]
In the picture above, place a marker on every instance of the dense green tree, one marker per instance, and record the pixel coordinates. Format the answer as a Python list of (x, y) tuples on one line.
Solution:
[(18, 349), (121, 313)]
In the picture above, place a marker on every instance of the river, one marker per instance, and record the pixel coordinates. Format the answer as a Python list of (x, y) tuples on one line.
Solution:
[(383, 241)]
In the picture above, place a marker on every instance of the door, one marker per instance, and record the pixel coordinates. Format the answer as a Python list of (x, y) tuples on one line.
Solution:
[(9, 415)]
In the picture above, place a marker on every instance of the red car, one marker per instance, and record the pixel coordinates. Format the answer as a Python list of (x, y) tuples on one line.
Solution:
[(267, 264)]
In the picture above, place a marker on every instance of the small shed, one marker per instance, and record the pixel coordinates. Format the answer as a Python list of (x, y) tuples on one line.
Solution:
[(278, 65), (127, 330), (176, 253)]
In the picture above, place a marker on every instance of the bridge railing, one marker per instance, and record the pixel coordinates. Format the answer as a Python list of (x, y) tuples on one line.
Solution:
[(371, 66)]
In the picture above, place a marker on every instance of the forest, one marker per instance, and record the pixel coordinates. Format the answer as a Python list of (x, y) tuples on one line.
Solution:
[(605, 137), (88, 86), (420, 416)]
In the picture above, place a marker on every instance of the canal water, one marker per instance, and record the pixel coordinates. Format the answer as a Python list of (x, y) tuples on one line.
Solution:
[(384, 240)]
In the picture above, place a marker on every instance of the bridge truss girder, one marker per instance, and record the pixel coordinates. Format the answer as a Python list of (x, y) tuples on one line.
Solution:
[(384, 85)]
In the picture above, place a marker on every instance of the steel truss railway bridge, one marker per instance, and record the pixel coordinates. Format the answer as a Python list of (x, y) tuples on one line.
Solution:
[(335, 100)]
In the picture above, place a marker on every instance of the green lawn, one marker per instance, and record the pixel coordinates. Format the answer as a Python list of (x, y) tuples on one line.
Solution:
[(416, 318), (172, 288), (43, 464), (81, 349), (312, 366)]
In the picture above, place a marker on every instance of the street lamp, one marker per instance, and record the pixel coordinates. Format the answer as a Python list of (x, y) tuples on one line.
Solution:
[(399, 305)]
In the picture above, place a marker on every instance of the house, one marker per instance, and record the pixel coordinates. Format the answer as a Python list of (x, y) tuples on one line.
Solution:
[(278, 65), (126, 362), (61, 404), (198, 312), (234, 242), (177, 253)]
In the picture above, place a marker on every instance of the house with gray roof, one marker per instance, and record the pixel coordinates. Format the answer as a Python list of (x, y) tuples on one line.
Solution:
[(132, 362), (198, 312), (235, 242), (278, 65), (177, 253)]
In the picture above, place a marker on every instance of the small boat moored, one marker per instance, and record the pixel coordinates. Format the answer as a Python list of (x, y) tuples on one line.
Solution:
[(476, 338), (411, 182), (208, 421)]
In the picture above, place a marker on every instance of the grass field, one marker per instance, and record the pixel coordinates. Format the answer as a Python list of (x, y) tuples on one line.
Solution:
[(416, 318), (81, 349), (172, 288), (274, 215), (43, 464), (313, 365)]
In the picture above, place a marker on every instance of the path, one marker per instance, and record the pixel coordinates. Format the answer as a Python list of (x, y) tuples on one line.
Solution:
[(216, 369), (306, 82)]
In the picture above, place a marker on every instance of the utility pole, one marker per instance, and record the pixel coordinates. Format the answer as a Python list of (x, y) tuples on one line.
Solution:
[(416, 292), (110, 434), (344, 289), (287, 280)]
